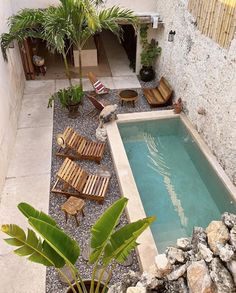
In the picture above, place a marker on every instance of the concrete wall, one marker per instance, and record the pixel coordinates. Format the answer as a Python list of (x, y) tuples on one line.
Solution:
[(11, 90), (204, 75)]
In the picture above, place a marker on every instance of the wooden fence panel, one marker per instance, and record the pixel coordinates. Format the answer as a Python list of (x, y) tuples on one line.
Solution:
[(215, 19)]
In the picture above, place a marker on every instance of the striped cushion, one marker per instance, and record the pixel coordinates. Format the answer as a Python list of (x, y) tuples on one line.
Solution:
[(99, 87)]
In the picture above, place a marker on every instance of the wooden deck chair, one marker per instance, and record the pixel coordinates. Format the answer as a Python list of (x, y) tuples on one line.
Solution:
[(99, 88), (159, 96), (98, 105), (72, 180), (75, 146)]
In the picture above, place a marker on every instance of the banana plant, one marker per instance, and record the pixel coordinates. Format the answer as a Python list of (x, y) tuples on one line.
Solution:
[(48, 245)]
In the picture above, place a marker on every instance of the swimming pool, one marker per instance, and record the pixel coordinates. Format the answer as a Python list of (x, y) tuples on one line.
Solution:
[(159, 154), (175, 181)]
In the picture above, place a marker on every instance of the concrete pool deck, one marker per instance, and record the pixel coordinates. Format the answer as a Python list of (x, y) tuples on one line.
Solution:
[(147, 249)]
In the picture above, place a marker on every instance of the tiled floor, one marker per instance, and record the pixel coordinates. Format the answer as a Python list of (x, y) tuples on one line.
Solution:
[(113, 61), (28, 177)]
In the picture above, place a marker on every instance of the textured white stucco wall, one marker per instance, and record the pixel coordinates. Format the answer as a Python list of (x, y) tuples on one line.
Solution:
[(11, 90), (204, 75), (135, 5)]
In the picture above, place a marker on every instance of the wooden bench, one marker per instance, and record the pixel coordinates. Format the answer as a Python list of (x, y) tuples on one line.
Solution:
[(159, 96)]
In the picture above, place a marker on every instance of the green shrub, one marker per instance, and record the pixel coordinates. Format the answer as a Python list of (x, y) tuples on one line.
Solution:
[(68, 96)]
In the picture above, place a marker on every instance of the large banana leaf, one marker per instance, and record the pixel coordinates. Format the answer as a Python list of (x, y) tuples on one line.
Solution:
[(104, 227), (65, 246), (124, 240), (32, 246), (29, 211)]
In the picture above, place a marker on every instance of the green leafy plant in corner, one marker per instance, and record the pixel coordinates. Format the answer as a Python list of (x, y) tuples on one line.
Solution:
[(54, 248), (68, 96), (150, 50)]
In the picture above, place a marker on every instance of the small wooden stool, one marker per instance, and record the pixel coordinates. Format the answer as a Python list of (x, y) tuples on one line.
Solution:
[(73, 206)]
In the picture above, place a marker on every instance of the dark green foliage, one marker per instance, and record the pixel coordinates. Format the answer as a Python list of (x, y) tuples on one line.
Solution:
[(68, 96), (150, 49)]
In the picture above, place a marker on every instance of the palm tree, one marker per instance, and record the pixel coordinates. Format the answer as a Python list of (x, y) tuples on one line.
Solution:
[(73, 20)]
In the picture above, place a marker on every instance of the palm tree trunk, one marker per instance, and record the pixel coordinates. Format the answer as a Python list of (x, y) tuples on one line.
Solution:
[(67, 68), (80, 68)]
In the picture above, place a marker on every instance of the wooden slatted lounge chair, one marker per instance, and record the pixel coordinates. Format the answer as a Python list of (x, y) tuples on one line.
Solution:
[(72, 180), (75, 146), (159, 96), (99, 88)]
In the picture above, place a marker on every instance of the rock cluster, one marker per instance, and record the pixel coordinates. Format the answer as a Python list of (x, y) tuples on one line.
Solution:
[(107, 114), (205, 263)]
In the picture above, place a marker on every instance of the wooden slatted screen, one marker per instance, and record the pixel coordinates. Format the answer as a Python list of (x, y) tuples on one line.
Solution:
[(215, 19)]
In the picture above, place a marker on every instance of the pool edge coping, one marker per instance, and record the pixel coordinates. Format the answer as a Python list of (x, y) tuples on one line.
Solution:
[(147, 249)]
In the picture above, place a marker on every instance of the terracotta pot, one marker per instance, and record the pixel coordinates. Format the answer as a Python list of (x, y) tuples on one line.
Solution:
[(87, 285), (147, 73), (73, 110)]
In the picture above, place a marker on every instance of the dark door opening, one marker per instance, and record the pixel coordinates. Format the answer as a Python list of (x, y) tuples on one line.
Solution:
[(129, 43)]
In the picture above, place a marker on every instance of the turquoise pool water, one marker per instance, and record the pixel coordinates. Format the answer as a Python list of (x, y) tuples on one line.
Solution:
[(175, 181)]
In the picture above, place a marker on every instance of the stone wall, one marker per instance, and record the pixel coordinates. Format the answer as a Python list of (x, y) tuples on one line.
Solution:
[(11, 89), (204, 75)]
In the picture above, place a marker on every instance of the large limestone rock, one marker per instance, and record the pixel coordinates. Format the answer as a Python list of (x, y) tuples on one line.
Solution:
[(231, 265), (175, 255), (136, 290), (117, 288), (198, 278), (149, 281), (163, 266), (233, 236), (205, 252), (108, 114), (198, 236), (132, 278), (183, 243), (217, 234), (101, 134), (226, 252), (178, 286), (221, 277), (177, 273), (229, 220)]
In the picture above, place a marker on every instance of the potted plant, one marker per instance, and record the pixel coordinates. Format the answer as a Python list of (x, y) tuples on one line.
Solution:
[(55, 248), (69, 98), (150, 51)]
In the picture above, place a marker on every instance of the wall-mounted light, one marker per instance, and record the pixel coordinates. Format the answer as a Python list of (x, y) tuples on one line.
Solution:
[(11, 45), (171, 36)]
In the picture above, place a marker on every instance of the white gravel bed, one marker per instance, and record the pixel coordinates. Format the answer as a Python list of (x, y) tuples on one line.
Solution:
[(86, 125)]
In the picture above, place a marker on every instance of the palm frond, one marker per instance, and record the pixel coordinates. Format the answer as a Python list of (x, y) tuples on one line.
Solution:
[(111, 18), (32, 246), (26, 19), (5, 41)]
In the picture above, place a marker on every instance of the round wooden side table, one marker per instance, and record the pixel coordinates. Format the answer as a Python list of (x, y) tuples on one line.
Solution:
[(128, 96)]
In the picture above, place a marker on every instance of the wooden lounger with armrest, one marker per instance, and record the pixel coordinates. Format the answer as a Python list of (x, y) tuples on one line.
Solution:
[(72, 180), (75, 146)]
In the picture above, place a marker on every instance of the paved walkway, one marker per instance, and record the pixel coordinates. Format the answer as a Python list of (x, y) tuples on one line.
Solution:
[(28, 177), (28, 180)]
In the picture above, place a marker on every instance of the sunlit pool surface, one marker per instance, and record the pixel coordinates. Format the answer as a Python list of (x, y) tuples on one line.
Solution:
[(175, 181)]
